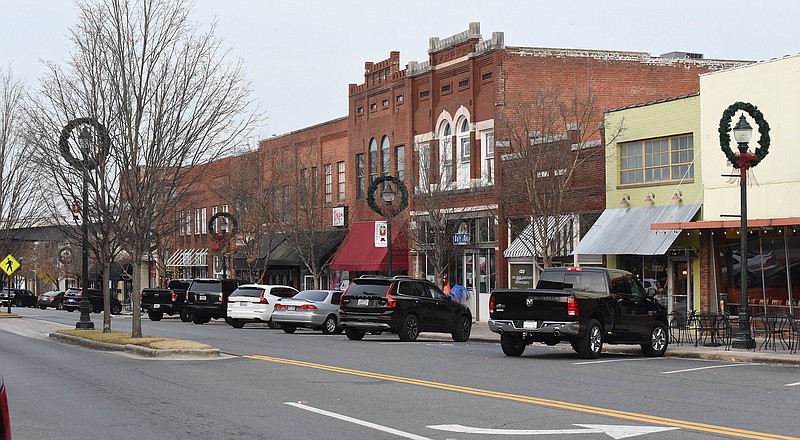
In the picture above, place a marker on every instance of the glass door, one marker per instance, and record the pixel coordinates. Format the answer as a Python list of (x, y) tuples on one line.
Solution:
[(679, 291)]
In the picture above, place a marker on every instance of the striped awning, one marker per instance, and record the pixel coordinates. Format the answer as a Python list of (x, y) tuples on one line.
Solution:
[(522, 246), (188, 258)]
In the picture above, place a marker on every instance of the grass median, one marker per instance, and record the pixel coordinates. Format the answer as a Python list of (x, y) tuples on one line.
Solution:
[(123, 338)]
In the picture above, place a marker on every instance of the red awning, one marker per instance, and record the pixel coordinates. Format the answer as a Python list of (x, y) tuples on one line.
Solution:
[(725, 224), (359, 254)]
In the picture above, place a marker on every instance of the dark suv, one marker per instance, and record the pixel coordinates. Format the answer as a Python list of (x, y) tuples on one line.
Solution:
[(207, 298), (17, 297), (401, 305), (73, 298)]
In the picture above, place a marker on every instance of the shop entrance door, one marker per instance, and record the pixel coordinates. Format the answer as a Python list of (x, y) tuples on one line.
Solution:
[(679, 290)]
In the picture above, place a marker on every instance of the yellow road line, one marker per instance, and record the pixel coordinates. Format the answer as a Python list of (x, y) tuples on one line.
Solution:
[(703, 427)]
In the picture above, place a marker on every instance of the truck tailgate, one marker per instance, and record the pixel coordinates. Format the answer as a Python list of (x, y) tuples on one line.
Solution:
[(531, 304)]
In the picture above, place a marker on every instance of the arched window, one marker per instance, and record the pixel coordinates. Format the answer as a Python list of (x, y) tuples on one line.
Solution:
[(385, 165), (446, 152), (463, 139), (373, 160)]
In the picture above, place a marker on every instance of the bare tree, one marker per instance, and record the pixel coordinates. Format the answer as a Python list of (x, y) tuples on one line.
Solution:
[(19, 189), (551, 152), (170, 102), (439, 226)]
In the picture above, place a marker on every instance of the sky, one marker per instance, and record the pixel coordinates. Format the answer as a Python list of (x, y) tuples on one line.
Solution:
[(301, 55)]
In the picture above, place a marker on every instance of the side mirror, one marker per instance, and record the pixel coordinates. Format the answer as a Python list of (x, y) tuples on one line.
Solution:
[(651, 292)]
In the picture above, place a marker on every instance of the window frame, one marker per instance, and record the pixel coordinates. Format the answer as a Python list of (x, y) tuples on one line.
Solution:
[(656, 160)]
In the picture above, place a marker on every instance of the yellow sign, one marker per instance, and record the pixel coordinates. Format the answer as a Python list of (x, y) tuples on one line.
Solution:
[(9, 264)]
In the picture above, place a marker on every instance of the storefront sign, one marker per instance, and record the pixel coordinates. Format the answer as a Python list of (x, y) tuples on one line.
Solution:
[(522, 276), (380, 234), (338, 216)]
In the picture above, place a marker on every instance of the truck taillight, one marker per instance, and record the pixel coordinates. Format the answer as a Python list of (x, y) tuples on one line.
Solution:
[(572, 306), (174, 296), (491, 303), (574, 269)]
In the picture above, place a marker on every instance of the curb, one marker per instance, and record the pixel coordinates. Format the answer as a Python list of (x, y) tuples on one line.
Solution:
[(136, 349)]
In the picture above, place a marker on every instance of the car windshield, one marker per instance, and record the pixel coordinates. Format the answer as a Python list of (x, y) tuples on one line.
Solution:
[(207, 286), (312, 295), (179, 285), (255, 292)]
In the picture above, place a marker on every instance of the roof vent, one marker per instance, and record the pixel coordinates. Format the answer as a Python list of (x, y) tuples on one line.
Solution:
[(678, 54)]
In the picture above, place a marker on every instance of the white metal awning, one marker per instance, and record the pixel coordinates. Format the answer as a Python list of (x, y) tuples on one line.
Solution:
[(522, 245), (626, 231), (188, 258)]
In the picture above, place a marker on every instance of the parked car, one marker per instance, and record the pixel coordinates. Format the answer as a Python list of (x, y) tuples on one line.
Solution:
[(52, 298), (73, 297), (157, 302), (316, 309), (17, 297), (207, 299), (5, 419), (401, 305), (255, 303), (652, 283)]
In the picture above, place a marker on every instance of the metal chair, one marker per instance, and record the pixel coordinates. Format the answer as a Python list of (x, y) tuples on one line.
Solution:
[(678, 329)]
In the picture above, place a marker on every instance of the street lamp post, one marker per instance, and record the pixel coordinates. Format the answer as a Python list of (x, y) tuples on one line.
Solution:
[(388, 197), (223, 230), (93, 148), (391, 209), (228, 227), (742, 132)]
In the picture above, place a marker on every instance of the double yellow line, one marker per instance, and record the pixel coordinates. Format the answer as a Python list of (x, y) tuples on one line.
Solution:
[(703, 427)]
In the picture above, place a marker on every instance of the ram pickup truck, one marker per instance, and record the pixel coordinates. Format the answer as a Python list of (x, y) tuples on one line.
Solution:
[(584, 306), (157, 302)]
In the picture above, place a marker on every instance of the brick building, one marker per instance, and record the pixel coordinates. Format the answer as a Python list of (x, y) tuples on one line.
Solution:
[(445, 127)]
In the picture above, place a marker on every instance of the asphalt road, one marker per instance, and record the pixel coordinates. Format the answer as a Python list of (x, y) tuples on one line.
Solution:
[(306, 385)]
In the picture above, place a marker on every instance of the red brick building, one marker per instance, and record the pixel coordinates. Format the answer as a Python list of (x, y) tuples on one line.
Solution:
[(437, 126)]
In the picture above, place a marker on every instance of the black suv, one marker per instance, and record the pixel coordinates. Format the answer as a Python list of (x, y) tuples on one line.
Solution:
[(17, 297), (207, 298), (401, 305), (73, 298)]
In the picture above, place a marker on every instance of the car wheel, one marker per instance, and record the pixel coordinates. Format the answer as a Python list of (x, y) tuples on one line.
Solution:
[(116, 309), (197, 319), (330, 325), (410, 329), (236, 323), (96, 310), (155, 316), (590, 344), (512, 345), (272, 324), (70, 310), (43, 307), (288, 328), (59, 306), (463, 329), (185, 316), (354, 334), (658, 342)]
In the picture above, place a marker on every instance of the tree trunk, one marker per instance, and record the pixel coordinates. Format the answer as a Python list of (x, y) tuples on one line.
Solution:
[(136, 318)]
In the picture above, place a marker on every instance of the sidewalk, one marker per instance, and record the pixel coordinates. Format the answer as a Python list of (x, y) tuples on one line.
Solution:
[(34, 328)]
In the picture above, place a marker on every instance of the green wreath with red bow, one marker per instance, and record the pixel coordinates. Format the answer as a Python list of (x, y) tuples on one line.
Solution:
[(401, 188), (743, 160)]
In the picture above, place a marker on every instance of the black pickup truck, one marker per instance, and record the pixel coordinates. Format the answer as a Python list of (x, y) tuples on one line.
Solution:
[(584, 306), (157, 302)]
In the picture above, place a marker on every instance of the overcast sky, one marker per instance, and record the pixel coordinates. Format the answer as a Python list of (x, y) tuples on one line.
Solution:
[(301, 55)]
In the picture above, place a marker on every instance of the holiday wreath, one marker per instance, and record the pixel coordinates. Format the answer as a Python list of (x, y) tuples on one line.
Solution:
[(743, 160)]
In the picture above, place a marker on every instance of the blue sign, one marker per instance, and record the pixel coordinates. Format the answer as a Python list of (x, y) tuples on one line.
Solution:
[(461, 239)]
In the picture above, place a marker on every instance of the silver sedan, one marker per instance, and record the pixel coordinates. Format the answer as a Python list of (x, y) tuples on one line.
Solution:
[(316, 309)]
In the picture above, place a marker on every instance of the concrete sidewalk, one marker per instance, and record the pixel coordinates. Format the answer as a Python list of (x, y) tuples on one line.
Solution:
[(35, 328)]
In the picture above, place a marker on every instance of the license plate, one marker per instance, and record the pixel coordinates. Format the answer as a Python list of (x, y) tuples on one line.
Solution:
[(290, 308), (155, 306), (243, 303), (530, 325), (201, 297), (363, 302)]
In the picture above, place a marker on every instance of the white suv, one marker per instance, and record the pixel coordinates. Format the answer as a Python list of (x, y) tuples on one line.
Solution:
[(255, 302)]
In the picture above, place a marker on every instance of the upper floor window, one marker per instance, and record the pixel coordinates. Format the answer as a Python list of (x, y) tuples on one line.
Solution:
[(424, 165), (446, 153), (328, 183), (488, 141), (463, 139), (287, 197), (197, 221), (656, 160), (360, 176), (385, 156), (340, 181), (400, 162), (188, 222), (373, 160), (204, 221)]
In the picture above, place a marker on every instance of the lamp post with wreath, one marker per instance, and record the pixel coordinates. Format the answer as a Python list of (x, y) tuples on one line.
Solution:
[(743, 160), (93, 144), (390, 210), (228, 227)]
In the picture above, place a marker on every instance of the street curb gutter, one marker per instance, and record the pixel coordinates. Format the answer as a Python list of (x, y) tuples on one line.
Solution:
[(136, 349)]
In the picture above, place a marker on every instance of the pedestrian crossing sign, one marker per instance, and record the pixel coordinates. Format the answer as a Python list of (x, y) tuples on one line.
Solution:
[(9, 264)]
